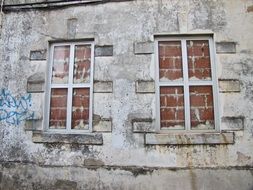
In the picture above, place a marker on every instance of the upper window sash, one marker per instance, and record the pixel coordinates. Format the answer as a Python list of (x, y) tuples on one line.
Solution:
[(186, 83)]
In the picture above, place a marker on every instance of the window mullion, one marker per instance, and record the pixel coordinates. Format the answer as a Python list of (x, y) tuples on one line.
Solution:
[(215, 85), (70, 87), (157, 88), (48, 97), (186, 85), (91, 87)]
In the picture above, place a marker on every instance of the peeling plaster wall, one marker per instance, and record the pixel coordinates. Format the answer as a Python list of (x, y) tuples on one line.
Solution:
[(121, 25)]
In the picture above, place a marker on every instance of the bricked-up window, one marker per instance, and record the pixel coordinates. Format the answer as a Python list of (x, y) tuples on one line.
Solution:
[(186, 84), (70, 88)]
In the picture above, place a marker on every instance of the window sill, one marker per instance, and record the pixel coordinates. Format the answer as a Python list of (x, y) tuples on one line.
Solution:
[(85, 139), (190, 139)]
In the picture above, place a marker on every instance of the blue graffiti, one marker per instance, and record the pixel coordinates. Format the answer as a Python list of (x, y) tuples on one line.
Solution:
[(14, 110)]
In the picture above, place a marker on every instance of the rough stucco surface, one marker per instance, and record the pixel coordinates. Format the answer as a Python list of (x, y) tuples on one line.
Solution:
[(122, 25)]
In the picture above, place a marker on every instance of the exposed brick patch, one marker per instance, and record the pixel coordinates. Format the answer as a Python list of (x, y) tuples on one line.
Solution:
[(172, 107), (198, 59), (202, 110), (170, 60)]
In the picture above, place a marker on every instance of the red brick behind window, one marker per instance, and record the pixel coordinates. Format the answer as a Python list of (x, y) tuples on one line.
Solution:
[(170, 60), (80, 108), (198, 59), (58, 108), (201, 103), (172, 107)]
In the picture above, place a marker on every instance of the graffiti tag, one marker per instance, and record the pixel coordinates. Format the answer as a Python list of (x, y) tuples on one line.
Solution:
[(14, 110)]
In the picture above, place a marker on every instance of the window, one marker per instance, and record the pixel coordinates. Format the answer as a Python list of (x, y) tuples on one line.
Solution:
[(186, 85), (69, 102)]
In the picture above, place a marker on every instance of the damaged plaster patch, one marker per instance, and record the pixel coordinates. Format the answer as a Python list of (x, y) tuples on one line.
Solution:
[(241, 158), (207, 14), (71, 27)]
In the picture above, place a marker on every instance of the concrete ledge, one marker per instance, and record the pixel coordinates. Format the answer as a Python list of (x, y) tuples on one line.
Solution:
[(38, 55), (144, 48), (229, 85), (35, 83), (101, 51), (103, 87), (189, 139), (143, 125), (232, 123), (145, 87), (104, 125), (87, 139), (225, 47)]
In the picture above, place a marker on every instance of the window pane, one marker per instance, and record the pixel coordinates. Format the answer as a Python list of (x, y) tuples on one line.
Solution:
[(198, 60), (172, 107), (80, 108), (60, 70), (82, 63), (170, 61), (58, 108), (202, 110)]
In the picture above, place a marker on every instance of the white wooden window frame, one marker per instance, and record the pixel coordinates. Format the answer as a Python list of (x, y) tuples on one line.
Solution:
[(186, 83), (69, 86)]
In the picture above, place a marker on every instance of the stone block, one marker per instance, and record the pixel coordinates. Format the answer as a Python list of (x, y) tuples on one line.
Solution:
[(144, 47), (38, 55), (101, 51), (229, 85), (250, 8), (65, 185), (93, 162), (103, 125), (103, 87), (232, 123), (143, 125), (87, 139), (36, 82), (33, 125), (71, 27), (189, 139), (145, 87), (225, 47)]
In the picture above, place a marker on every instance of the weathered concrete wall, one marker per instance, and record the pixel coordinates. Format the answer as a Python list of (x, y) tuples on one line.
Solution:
[(124, 98), (112, 178)]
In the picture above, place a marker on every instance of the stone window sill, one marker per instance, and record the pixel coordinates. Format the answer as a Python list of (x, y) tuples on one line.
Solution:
[(189, 139), (85, 139)]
